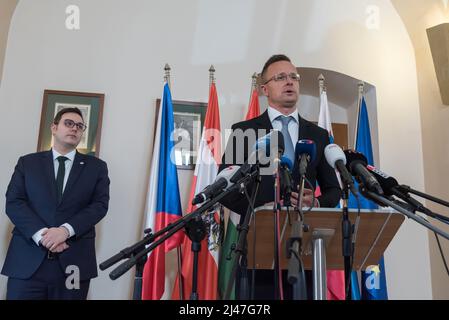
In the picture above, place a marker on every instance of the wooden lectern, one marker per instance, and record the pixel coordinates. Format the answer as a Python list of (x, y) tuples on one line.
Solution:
[(375, 231)]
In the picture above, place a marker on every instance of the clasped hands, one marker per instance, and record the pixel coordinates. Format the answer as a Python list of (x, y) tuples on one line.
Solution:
[(54, 239), (307, 197)]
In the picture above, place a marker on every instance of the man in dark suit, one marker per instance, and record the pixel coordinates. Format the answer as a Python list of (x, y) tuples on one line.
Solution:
[(281, 87), (54, 199)]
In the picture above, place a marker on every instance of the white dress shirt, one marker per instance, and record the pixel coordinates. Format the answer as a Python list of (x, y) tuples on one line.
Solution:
[(68, 166), (293, 126)]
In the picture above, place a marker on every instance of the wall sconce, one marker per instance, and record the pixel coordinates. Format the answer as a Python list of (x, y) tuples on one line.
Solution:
[(439, 45)]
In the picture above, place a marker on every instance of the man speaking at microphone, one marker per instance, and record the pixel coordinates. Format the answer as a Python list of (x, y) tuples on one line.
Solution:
[(280, 84), (281, 87)]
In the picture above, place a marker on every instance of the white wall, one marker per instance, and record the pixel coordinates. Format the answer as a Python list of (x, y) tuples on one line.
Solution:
[(121, 49), (418, 16), (6, 10)]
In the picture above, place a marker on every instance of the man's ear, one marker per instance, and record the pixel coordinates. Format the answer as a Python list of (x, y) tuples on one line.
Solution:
[(53, 127), (264, 90)]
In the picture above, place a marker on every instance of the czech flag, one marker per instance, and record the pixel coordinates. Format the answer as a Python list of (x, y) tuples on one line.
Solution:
[(163, 201)]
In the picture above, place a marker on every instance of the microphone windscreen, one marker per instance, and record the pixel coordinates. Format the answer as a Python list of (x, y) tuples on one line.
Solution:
[(333, 153), (353, 157), (227, 174), (386, 182), (307, 147), (274, 141), (286, 162)]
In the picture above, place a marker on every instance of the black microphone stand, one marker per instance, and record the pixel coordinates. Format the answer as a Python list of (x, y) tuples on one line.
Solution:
[(196, 231), (128, 251), (385, 202), (165, 233), (406, 188), (296, 275), (241, 247), (131, 252), (347, 247), (402, 192), (278, 289), (296, 272), (138, 277)]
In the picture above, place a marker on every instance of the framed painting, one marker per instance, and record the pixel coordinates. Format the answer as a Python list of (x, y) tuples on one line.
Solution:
[(91, 106), (189, 122)]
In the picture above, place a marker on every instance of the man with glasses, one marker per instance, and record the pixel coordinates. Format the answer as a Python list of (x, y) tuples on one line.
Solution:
[(54, 199), (280, 84)]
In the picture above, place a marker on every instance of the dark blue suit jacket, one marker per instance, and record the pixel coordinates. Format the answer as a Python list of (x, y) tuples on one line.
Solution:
[(318, 171), (31, 204)]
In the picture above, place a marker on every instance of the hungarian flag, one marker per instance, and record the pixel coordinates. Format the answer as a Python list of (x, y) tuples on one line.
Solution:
[(231, 229), (335, 278), (163, 203), (254, 108), (206, 169)]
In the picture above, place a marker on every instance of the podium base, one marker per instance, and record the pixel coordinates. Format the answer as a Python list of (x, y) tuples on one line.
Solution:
[(320, 240)]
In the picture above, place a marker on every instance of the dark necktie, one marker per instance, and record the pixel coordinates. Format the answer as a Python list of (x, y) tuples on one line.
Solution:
[(60, 176), (289, 151)]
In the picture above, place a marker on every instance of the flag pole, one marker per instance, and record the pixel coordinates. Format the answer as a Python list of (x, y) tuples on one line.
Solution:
[(253, 86), (361, 87), (167, 75), (167, 79), (212, 81), (321, 84), (211, 75)]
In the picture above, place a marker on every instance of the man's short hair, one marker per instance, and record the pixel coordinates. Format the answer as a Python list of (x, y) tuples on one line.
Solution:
[(67, 110), (273, 59)]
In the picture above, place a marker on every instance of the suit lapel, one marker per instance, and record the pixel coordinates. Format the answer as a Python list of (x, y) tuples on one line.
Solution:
[(263, 122), (303, 128), (77, 167), (49, 170)]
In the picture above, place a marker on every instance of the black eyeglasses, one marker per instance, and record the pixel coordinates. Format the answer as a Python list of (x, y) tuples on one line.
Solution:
[(283, 76), (79, 125)]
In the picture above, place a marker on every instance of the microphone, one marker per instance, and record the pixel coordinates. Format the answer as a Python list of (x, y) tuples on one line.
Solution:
[(387, 183), (336, 158), (391, 187), (356, 164), (305, 151), (265, 146), (266, 153), (262, 148), (286, 179), (286, 163), (222, 181)]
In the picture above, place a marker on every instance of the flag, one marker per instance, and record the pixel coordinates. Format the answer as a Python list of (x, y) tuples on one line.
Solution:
[(335, 278), (206, 169), (163, 204), (363, 145), (373, 281), (324, 121), (253, 108), (324, 118), (231, 229)]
